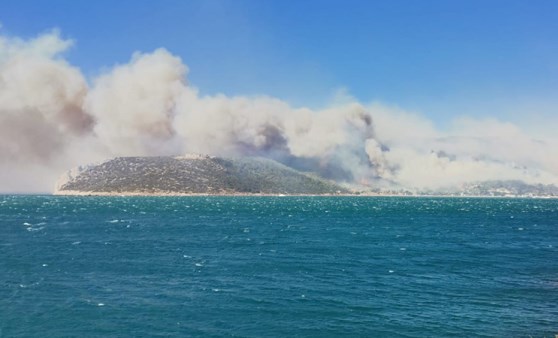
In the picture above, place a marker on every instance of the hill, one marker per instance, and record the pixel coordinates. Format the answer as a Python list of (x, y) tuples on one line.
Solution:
[(193, 174)]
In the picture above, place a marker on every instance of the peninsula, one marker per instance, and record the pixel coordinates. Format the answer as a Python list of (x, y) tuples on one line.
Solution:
[(192, 175)]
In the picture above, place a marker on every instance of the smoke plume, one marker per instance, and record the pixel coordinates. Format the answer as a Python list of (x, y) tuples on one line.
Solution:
[(52, 118)]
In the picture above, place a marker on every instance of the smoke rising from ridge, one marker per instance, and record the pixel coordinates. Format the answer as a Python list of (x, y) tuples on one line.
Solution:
[(52, 118)]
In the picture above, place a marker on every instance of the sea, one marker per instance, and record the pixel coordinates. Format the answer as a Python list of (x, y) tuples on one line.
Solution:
[(278, 266)]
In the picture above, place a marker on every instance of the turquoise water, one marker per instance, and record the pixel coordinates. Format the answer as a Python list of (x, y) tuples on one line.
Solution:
[(278, 267)]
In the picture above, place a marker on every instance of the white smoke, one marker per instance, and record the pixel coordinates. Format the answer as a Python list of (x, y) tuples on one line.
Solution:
[(52, 120), (41, 115), (134, 104), (471, 150)]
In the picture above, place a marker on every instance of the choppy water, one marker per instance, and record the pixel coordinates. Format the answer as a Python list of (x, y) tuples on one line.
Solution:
[(278, 266)]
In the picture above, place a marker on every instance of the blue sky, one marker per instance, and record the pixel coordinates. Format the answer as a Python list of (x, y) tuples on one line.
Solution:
[(440, 58)]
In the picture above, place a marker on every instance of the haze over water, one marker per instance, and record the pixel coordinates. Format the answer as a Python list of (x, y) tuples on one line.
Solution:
[(278, 266)]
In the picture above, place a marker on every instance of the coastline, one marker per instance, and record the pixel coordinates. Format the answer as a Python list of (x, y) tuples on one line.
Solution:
[(241, 194), (178, 194)]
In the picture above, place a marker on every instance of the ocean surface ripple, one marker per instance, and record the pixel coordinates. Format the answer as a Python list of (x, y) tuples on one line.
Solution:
[(278, 267)]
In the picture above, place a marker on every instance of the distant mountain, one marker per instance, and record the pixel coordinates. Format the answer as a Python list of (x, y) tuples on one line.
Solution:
[(192, 174)]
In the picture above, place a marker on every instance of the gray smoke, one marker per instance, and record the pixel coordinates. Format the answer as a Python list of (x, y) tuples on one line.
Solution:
[(51, 119)]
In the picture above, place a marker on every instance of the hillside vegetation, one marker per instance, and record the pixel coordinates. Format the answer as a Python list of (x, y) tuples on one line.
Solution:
[(193, 175)]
